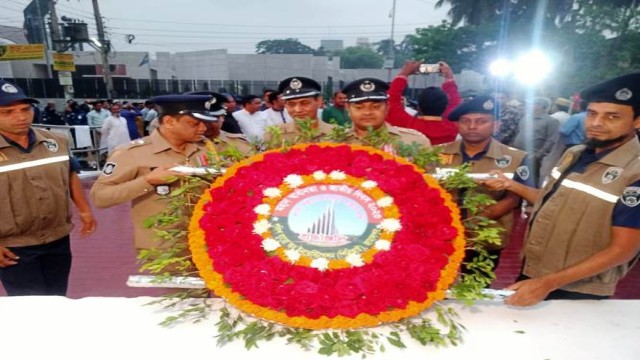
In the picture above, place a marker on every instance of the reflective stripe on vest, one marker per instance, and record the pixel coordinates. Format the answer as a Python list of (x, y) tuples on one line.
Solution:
[(555, 173), (34, 163), (589, 190)]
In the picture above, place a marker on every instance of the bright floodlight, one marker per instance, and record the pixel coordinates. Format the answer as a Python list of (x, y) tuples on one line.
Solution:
[(500, 67), (532, 67)]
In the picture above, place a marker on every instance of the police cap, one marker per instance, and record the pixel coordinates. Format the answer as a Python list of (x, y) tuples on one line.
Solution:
[(366, 89), (622, 90), (478, 105), (298, 87), (216, 104), (10, 94), (196, 106)]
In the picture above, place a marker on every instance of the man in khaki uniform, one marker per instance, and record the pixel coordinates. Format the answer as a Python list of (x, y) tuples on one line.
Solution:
[(476, 125), (140, 172), (37, 177), (367, 107), (302, 100), (584, 233)]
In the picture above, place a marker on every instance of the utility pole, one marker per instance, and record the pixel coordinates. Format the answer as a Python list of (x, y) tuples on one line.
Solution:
[(59, 47), (391, 54), (43, 33), (104, 50)]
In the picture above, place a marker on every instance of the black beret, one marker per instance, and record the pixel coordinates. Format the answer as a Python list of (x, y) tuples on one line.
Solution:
[(298, 87), (366, 89), (480, 105), (623, 90)]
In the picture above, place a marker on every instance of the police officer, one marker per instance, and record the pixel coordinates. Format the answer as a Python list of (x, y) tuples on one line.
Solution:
[(223, 140), (584, 233), (140, 172), (367, 107), (37, 176), (476, 124), (302, 99)]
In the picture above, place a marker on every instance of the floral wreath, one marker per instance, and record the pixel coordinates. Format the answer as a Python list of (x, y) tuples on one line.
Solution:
[(412, 246)]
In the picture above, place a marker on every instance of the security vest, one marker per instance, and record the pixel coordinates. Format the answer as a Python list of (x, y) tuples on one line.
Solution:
[(34, 191), (498, 157), (575, 222)]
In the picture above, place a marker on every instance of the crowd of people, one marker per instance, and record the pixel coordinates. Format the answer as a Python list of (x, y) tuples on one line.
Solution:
[(580, 171)]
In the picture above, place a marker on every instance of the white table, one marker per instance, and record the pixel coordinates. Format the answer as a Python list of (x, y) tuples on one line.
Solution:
[(121, 328)]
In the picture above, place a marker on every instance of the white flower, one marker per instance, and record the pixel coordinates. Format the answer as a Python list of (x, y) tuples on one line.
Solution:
[(319, 175), (293, 180), (272, 192), (383, 245), (261, 226), (385, 201), (390, 225), (321, 264), (262, 209), (293, 255), (369, 184), (355, 260), (337, 175), (270, 244)]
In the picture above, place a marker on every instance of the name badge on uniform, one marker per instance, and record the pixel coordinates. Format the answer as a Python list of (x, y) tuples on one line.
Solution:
[(611, 174), (51, 145), (631, 196), (163, 190), (446, 159), (504, 161)]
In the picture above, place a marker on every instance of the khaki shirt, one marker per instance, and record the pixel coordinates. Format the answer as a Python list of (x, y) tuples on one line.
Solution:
[(498, 157), (407, 136), (34, 191), (291, 133), (122, 180), (575, 221), (226, 140)]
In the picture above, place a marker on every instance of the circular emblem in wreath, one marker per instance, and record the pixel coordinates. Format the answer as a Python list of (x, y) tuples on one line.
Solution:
[(327, 236)]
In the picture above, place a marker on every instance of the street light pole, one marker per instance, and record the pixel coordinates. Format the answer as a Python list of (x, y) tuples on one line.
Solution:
[(104, 49)]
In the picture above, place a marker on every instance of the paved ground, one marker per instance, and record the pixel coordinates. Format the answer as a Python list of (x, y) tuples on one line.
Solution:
[(103, 261)]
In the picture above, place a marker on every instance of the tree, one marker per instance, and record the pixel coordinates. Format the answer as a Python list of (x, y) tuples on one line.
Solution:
[(283, 46), (401, 51), (359, 57)]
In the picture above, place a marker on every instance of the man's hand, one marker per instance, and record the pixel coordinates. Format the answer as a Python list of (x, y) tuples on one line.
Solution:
[(88, 223), (445, 70), (162, 175), (7, 258), (529, 292), (500, 183), (410, 67)]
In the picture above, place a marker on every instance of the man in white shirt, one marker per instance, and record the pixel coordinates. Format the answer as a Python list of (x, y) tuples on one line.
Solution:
[(276, 114), (97, 116), (251, 120), (114, 130)]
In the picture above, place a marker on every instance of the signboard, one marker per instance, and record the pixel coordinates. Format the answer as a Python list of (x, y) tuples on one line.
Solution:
[(65, 78), (63, 62), (21, 52)]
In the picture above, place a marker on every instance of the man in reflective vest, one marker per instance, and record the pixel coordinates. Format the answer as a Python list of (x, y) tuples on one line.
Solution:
[(36, 180), (584, 233)]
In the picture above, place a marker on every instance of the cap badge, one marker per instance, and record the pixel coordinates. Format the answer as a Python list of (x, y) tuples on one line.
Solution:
[(295, 84), (367, 86), (207, 105), (488, 105), (624, 94), (8, 88)]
